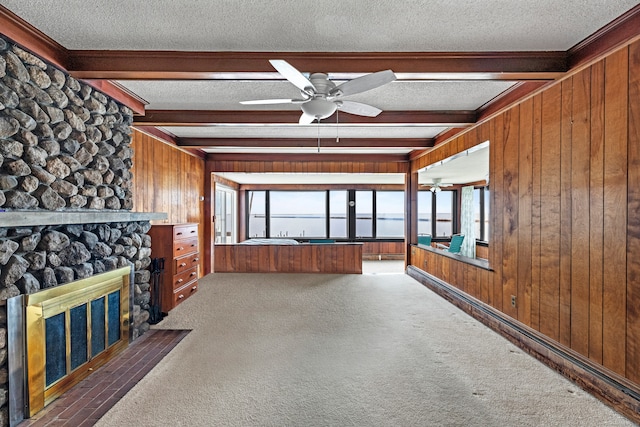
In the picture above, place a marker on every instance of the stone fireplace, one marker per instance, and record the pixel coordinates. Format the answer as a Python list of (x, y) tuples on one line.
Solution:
[(65, 193)]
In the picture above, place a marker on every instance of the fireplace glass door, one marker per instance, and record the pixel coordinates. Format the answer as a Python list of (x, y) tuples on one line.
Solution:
[(72, 329), (100, 316)]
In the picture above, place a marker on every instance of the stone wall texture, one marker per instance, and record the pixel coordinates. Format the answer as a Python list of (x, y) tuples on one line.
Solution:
[(63, 146)]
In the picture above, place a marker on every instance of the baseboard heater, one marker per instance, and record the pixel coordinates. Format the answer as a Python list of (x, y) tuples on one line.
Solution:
[(607, 386)]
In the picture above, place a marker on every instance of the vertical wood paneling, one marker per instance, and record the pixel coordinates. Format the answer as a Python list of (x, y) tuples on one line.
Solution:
[(633, 233), (580, 181), (497, 208), (525, 192), (536, 211), (596, 212), (550, 219), (565, 213), (615, 218), (565, 222), (167, 179), (510, 210)]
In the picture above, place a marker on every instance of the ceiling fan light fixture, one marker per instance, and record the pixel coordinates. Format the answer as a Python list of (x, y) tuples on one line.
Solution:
[(320, 95), (319, 108)]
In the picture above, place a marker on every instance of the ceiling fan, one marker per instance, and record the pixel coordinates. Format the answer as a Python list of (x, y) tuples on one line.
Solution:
[(437, 185), (320, 97)]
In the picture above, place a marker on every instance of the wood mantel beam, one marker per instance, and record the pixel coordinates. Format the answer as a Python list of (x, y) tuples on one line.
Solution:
[(209, 118)]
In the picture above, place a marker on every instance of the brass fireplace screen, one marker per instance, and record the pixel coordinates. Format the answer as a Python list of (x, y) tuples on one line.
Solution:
[(71, 330)]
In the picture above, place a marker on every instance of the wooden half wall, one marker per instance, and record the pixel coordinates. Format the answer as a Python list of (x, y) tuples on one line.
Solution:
[(565, 213), (326, 258), (168, 179)]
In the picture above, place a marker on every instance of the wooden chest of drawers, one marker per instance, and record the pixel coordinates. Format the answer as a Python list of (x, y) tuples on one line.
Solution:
[(178, 245)]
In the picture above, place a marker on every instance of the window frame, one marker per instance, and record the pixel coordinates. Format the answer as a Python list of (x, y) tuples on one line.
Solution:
[(350, 212)]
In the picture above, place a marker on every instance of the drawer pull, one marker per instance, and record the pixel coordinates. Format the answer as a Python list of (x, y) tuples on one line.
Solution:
[(180, 280), (193, 231), (193, 273), (179, 233), (183, 264), (195, 260), (180, 296), (194, 288), (181, 248)]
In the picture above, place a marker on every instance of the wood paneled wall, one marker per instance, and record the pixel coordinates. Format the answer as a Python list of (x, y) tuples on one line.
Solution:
[(565, 213), (383, 250), (168, 179)]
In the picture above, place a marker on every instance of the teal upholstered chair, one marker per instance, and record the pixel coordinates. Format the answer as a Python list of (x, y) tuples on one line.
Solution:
[(455, 244), (424, 240)]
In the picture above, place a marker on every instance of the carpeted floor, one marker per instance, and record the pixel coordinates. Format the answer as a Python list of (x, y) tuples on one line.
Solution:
[(376, 349)]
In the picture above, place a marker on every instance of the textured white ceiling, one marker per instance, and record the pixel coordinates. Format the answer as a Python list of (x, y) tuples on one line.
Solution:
[(318, 26), (312, 25)]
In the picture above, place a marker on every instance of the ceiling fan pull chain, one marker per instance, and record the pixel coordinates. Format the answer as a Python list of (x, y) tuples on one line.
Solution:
[(318, 134), (337, 126)]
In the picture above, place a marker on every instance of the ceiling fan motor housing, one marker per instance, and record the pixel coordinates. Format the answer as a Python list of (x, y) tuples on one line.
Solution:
[(322, 84)]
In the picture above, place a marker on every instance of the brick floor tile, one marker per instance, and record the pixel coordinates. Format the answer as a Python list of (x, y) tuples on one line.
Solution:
[(90, 399)]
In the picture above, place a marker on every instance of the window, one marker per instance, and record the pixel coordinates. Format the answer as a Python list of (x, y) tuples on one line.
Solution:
[(444, 213), (338, 221), (485, 234), (481, 204), (225, 207), (297, 214), (257, 214), (389, 214), (335, 214), (435, 213), (425, 212), (364, 214), (477, 212)]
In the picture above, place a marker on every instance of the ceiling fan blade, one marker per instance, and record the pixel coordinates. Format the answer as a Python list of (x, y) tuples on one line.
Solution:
[(290, 73), (364, 83), (306, 119), (269, 101), (358, 108)]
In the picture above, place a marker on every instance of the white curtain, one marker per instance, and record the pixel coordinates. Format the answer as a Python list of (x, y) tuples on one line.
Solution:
[(467, 223)]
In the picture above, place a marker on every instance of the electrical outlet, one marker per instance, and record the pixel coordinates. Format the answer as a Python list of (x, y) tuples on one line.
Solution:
[(513, 300)]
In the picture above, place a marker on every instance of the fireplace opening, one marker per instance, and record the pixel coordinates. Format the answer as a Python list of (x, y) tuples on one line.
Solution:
[(72, 329)]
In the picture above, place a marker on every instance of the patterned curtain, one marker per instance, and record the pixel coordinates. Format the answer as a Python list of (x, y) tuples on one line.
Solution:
[(467, 223)]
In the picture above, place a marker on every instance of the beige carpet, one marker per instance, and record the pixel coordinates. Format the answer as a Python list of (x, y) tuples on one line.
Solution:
[(376, 349)]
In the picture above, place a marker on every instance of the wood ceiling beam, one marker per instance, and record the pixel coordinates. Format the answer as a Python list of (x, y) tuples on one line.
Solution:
[(167, 65), (300, 157), (210, 118), (398, 143)]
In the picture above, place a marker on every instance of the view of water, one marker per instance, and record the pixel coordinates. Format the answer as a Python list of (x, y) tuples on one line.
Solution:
[(310, 226)]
